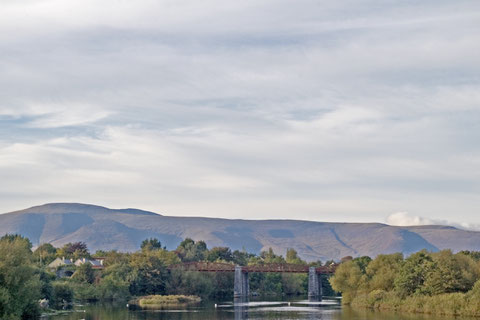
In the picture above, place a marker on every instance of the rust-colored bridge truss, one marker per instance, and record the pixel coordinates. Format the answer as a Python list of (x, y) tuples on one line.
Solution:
[(271, 267)]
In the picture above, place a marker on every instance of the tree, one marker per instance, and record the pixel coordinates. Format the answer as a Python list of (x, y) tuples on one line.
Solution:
[(189, 250), (186, 242), (241, 257), (348, 279), (62, 294), (149, 272), (84, 273), (292, 257), (381, 272), (220, 254), (475, 255), (45, 254), (294, 284), (74, 250), (119, 270), (14, 237), (192, 283), (20, 285), (151, 244), (316, 264), (46, 280), (114, 257), (362, 262), (413, 273), (270, 257), (273, 283), (113, 288), (452, 273)]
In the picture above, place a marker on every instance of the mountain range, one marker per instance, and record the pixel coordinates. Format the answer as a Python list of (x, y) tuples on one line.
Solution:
[(124, 230)]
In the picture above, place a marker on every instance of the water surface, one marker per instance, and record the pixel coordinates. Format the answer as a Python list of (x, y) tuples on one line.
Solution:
[(328, 309)]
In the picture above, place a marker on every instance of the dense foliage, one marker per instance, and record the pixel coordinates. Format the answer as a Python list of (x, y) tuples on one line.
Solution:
[(25, 276), (20, 284), (439, 283)]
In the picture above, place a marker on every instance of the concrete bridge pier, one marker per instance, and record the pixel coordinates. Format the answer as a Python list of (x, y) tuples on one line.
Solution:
[(314, 285), (241, 287)]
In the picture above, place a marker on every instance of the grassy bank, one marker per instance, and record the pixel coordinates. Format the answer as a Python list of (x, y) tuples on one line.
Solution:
[(168, 301), (451, 304)]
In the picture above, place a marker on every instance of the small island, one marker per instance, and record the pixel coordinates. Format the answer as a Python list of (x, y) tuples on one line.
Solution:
[(165, 301)]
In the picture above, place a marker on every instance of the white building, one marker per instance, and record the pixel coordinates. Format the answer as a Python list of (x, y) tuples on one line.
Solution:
[(96, 263)]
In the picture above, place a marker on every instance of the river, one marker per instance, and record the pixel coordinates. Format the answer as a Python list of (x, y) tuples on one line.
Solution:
[(329, 309)]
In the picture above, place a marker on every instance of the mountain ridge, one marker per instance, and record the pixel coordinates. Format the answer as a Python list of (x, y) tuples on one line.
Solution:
[(124, 229)]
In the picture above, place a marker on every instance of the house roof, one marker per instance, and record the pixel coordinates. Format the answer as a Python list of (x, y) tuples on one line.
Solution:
[(96, 263), (60, 262)]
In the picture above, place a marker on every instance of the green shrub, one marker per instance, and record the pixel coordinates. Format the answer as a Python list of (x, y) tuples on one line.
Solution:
[(84, 291), (62, 294), (111, 288)]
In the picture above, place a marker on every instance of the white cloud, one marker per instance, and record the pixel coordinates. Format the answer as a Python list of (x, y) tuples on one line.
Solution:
[(406, 219), (67, 115)]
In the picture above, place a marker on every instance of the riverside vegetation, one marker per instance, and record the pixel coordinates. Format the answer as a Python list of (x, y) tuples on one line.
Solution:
[(437, 283), (25, 277), (440, 283)]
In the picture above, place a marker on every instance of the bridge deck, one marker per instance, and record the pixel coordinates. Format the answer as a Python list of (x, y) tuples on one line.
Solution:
[(226, 267)]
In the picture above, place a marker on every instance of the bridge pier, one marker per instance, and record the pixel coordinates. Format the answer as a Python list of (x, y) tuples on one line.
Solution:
[(240, 288), (315, 290)]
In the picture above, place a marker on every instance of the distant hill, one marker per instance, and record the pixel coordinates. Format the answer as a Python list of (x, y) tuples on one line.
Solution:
[(124, 229)]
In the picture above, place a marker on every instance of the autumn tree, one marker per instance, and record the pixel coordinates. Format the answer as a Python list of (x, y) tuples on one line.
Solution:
[(382, 271), (348, 279)]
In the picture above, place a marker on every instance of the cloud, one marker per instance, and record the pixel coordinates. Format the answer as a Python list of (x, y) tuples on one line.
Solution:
[(324, 110), (405, 219), (67, 115)]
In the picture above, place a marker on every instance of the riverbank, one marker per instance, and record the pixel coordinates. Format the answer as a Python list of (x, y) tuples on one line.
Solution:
[(436, 283), (448, 304)]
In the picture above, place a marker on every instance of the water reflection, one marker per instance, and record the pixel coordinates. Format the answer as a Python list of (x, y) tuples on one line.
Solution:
[(239, 310), (350, 314)]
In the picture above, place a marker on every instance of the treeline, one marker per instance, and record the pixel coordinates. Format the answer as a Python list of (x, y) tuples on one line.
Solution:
[(25, 277), (424, 282)]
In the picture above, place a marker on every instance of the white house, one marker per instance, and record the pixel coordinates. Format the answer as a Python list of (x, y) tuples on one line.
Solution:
[(96, 263), (60, 262)]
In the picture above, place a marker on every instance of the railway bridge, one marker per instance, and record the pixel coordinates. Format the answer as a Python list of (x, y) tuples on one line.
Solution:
[(241, 286)]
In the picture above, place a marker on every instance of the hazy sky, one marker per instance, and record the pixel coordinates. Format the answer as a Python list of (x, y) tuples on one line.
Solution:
[(320, 110)]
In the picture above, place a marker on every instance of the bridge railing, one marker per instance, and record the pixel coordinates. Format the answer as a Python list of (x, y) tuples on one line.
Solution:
[(204, 266), (270, 267), (277, 267)]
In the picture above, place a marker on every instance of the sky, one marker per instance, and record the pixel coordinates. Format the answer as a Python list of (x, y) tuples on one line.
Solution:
[(352, 110)]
